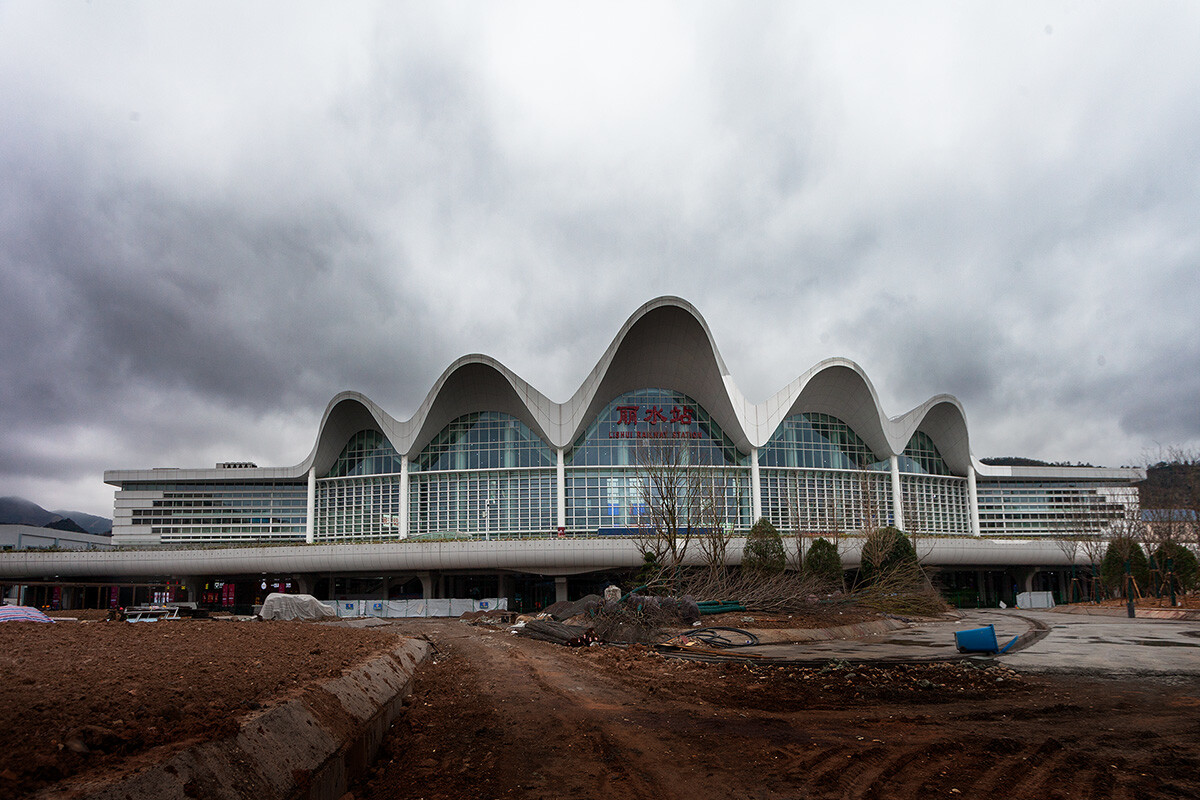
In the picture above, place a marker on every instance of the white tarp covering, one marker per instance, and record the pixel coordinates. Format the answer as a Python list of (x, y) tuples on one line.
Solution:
[(448, 607), (1027, 600), (294, 606)]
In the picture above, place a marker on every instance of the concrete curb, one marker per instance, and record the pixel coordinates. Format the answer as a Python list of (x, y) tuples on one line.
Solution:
[(856, 630), (308, 748), (1142, 613)]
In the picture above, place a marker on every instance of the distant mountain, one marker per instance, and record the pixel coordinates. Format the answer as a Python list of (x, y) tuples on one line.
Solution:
[(1018, 461), (19, 511), (66, 524), (101, 526)]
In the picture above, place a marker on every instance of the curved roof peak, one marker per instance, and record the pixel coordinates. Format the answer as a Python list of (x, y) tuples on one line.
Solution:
[(665, 343)]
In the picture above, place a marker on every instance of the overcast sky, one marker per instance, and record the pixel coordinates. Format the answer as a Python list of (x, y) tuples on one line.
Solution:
[(213, 217)]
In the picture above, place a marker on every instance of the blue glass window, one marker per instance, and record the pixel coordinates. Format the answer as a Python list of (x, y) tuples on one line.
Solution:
[(921, 456), (647, 417), (485, 440), (367, 453), (817, 441)]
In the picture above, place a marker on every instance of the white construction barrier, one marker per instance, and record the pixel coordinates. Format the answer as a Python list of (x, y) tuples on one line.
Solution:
[(443, 607), (1028, 600)]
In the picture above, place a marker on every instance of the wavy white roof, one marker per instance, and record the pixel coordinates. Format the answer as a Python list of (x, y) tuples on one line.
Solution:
[(665, 344)]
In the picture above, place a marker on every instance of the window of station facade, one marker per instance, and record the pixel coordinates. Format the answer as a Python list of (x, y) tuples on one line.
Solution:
[(367, 453), (221, 511), (817, 441), (609, 480), (921, 456), (642, 420), (485, 440)]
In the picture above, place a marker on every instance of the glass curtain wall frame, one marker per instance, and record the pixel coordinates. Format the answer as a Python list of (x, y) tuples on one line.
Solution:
[(636, 422), (1052, 508), (613, 500), (825, 502), (935, 505), (358, 509), (218, 512), (921, 457), (483, 503), (812, 440)]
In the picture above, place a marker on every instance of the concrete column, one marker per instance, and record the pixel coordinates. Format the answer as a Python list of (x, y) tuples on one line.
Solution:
[(755, 488), (311, 523), (981, 588), (897, 494), (503, 584), (426, 585), (404, 498), (560, 588), (561, 481), (191, 585), (973, 500), (306, 584)]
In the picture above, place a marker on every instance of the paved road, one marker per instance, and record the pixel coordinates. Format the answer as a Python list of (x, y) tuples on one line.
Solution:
[(1101, 646)]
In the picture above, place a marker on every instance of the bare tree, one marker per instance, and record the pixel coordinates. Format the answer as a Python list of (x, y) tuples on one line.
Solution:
[(669, 486)]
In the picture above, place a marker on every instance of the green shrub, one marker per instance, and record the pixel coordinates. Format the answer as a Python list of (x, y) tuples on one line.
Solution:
[(764, 549), (823, 562), (1112, 568), (1184, 570), (886, 551)]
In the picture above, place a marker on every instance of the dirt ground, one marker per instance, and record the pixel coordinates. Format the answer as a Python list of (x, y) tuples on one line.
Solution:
[(495, 715), (82, 696)]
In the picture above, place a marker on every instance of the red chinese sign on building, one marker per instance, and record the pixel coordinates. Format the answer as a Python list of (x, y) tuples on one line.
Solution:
[(653, 416)]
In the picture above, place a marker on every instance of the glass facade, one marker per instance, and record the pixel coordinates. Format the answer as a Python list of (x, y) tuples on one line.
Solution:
[(1051, 508), (367, 453), (636, 422), (935, 505), (650, 434), (357, 509), (485, 440), (485, 473), (817, 441), (825, 502), (216, 512), (921, 456), (488, 475)]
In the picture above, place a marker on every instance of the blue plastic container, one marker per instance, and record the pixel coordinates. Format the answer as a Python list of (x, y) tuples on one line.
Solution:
[(977, 640)]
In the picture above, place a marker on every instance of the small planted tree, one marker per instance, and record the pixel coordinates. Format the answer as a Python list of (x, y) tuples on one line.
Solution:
[(1124, 550), (887, 551), (764, 550), (823, 563), (1176, 564)]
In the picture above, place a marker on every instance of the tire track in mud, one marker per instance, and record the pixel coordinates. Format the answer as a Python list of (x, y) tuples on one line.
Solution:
[(615, 724)]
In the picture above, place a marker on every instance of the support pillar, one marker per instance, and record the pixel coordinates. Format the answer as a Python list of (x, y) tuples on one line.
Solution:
[(973, 500), (426, 585), (560, 589), (191, 587), (897, 495), (306, 583), (310, 526), (404, 497), (561, 481), (755, 488)]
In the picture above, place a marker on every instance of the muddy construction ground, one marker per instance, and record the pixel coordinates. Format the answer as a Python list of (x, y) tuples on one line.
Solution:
[(495, 715)]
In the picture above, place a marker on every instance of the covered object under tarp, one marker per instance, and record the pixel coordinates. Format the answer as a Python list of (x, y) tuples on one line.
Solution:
[(22, 614), (294, 606)]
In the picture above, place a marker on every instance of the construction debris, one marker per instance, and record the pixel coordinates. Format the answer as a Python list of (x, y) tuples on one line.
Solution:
[(548, 630)]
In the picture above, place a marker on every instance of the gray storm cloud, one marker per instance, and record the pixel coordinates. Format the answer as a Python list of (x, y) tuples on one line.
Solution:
[(206, 232)]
